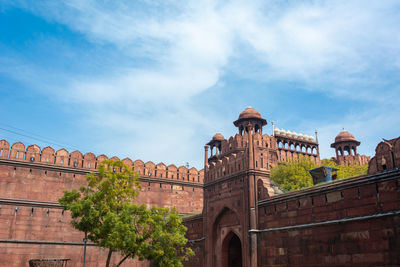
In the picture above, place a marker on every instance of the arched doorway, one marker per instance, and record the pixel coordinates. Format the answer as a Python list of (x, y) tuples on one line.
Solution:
[(224, 245), (235, 252), (232, 251)]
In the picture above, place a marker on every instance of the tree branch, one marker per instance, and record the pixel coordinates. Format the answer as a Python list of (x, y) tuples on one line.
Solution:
[(123, 259)]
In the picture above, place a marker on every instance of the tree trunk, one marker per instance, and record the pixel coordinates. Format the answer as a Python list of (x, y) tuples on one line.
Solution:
[(123, 259), (109, 257)]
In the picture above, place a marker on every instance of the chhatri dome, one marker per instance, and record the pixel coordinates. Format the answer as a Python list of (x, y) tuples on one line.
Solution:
[(218, 137), (345, 136), (250, 114)]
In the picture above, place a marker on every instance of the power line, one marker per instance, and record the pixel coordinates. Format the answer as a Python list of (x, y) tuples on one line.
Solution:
[(37, 138)]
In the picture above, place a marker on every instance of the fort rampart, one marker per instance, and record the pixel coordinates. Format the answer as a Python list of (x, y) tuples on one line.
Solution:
[(352, 222), (33, 225)]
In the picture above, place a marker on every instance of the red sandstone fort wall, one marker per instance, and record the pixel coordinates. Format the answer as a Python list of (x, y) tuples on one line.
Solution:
[(37, 177), (354, 222), (195, 235), (42, 175), (31, 232)]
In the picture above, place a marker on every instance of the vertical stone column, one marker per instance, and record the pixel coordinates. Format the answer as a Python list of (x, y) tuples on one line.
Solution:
[(252, 200), (205, 157)]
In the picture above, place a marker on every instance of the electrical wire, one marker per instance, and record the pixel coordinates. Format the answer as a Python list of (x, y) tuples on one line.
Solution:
[(35, 137)]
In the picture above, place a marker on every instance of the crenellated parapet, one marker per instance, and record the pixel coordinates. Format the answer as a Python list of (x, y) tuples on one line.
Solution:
[(89, 161), (230, 155), (352, 159)]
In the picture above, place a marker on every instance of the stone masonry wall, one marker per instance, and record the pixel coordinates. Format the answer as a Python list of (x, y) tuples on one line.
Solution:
[(353, 222), (32, 180), (32, 232), (194, 225)]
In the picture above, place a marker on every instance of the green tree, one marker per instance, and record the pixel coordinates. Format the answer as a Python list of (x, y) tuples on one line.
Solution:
[(106, 211), (294, 175), (346, 171)]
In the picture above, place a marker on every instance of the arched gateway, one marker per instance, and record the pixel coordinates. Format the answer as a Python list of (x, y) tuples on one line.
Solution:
[(232, 251), (236, 176), (227, 242)]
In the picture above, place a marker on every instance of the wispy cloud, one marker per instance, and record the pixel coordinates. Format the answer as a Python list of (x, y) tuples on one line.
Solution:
[(178, 51)]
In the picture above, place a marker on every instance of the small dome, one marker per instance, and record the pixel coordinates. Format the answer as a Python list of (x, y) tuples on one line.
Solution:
[(344, 136), (249, 113), (218, 137)]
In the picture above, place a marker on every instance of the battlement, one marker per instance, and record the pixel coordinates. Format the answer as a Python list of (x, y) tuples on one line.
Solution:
[(231, 157), (89, 161), (352, 159)]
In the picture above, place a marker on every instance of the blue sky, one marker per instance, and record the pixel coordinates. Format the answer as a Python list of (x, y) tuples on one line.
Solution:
[(155, 80)]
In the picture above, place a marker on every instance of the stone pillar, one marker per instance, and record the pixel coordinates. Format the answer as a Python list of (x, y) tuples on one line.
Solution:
[(252, 201), (205, 156)]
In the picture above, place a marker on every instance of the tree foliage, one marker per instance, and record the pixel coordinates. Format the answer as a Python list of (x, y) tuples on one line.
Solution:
[(106, 211), (346, 171), (294, 175)]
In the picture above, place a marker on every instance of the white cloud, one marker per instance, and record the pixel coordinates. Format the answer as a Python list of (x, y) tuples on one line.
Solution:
[(333, 47)]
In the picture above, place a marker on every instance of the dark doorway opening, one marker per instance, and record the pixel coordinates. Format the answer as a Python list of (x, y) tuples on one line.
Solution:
[(234, 252)]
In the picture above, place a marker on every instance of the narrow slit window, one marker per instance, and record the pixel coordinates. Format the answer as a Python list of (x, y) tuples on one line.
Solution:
[(1, 152), (16, 156)]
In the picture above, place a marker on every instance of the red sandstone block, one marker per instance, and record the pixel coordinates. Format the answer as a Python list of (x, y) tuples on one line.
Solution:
[(367, 258), (356, 226), (281, 207), (367, 191), (361, 211), (295, 260), (387, 186), (269, 218), (305, 202), (343, 259), (351, 193), (320, 217), (319, 200), (388, 206), (387, 233), (305, 211), (292, 205), (322, 209)]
